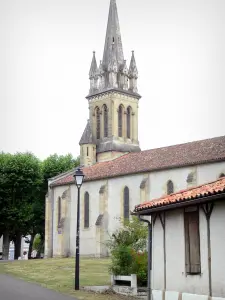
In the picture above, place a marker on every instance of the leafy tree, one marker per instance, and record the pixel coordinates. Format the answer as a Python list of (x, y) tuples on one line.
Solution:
[(23, 186), (20, 180), (50, 167), (128, 250)]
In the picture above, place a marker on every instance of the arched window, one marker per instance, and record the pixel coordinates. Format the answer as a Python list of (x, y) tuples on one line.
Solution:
[(190, 177), (120, 121), (59, 209), (98, 123), (86, 210), (170, 187), (128, 122), (105, 113), (126, 203), (222, 175)]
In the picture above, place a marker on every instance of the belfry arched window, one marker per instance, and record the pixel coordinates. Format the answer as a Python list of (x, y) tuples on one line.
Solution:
[(170, 187), (126, 203), (86, 210), (128, 122), (222, 175), (98, 123), (105, 114), (120, 121)]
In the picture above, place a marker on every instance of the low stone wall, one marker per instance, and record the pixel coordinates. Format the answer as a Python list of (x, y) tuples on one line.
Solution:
[(131, 280)]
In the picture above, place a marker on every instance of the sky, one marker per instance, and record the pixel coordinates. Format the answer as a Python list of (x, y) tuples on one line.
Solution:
[(45, 55)]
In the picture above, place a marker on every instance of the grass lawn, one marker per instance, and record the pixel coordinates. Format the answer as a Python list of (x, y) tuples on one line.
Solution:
[(58, 275)]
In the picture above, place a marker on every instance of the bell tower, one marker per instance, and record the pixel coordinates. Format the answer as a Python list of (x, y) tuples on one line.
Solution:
[(113, 97)]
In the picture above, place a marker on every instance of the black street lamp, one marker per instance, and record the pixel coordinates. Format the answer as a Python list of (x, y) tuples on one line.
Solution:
[(79, 176)]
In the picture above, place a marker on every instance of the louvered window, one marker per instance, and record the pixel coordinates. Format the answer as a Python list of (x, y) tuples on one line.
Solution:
[(120, 121), (128, 122), (98, 123), (105, 110)]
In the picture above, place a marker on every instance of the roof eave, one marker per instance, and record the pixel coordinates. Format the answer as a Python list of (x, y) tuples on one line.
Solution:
[(177, 205), (147, 171)]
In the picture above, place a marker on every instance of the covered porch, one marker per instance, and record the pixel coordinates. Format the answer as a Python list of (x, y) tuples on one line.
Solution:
[(188, 243)]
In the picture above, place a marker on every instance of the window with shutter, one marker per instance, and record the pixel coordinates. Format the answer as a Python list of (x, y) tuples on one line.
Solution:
[(86, 210), (120, 121), (126, 203), (192, 241)]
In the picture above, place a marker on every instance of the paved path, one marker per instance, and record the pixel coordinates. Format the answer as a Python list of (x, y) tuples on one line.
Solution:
[(16, 289)]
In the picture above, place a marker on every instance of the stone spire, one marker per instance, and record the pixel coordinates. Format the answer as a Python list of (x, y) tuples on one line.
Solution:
[(93, 75), (133, 74), (112, 73), (93, 68), (87, 147), (113, 36), (87, 135)]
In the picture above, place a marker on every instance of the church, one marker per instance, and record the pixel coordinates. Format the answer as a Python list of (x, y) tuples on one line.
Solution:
[(118, 175)]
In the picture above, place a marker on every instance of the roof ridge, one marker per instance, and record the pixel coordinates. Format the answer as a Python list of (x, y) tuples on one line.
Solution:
[(188, 154), (175, 145)]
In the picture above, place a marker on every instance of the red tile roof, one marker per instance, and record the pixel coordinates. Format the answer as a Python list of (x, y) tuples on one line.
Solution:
[(193, 153), (202, 191)]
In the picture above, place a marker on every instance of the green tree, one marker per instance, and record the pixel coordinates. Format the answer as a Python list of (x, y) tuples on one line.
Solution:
[(50, 167), (20, 181), (128, 247)]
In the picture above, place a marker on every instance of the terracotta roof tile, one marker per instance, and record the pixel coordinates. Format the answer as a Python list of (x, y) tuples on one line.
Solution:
[(198, 152), (204, 190)]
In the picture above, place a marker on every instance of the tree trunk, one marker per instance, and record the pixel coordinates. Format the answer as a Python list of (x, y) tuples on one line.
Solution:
[(17, 245), (40, 248), (31, 245), (6, 242)]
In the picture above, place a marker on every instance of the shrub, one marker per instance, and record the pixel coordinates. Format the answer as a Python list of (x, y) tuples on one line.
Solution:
[(128, 250)]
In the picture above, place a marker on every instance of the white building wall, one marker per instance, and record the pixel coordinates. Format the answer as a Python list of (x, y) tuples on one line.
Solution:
[(157, 182), (88, 243), (58, 191), (115, 193), (176, 278), (210, 172), (217, 224)]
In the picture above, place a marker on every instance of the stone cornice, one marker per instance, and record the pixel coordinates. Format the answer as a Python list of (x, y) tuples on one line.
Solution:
[(113, 91)]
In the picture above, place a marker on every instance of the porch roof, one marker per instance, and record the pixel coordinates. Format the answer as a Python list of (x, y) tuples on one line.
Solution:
[(200, 194)]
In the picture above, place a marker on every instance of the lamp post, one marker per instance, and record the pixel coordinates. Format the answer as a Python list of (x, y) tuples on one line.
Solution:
[(79, 176)]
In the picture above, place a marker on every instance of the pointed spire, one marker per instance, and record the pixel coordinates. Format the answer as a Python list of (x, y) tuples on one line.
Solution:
[(113, 66), (87, 135), (113, 36), (94, 69), (124, 68), (100, 69), (133, 72)]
